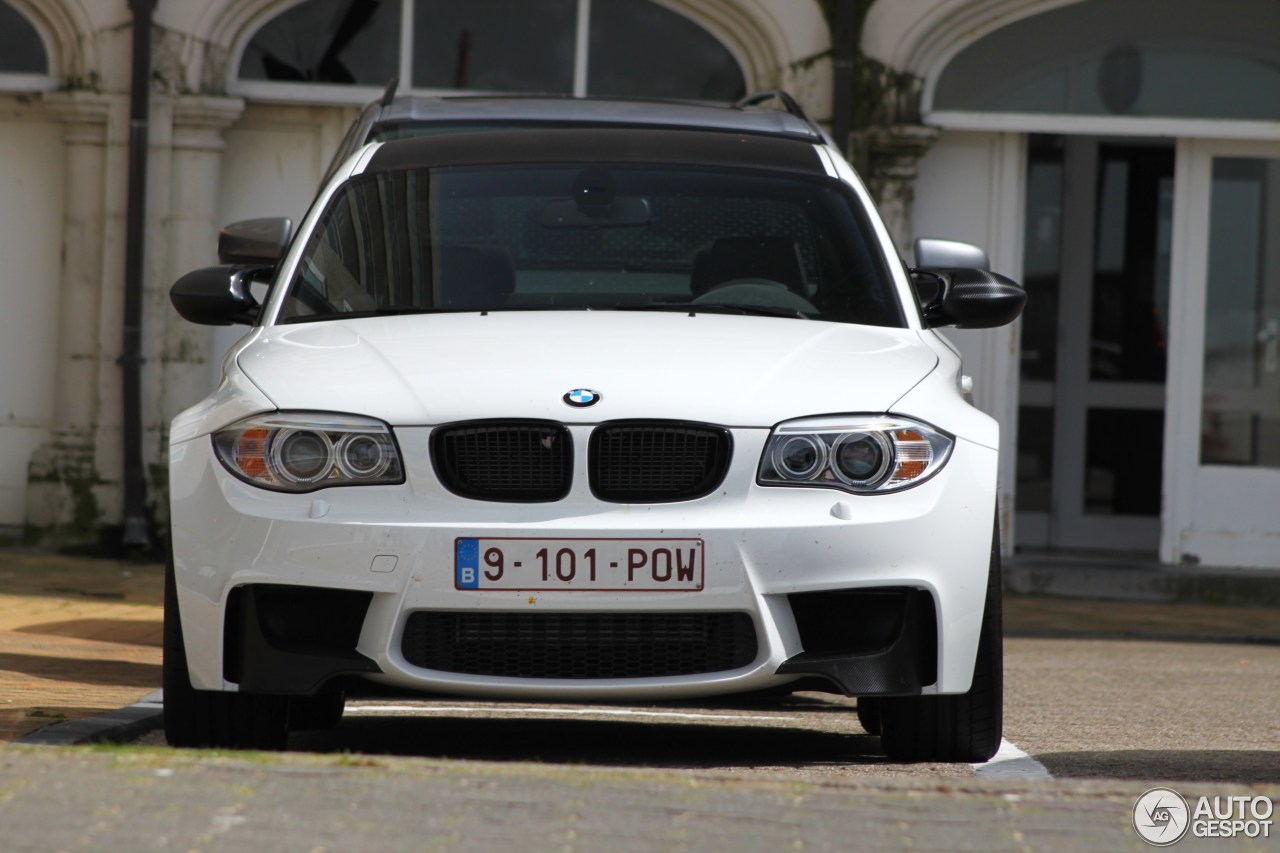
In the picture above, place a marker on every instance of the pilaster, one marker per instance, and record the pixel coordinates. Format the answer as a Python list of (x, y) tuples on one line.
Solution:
[(187, 176), (73, 486), (892, 155)]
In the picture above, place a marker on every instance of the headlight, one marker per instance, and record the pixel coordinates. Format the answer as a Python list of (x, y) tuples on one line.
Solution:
[(303, 452), (858, 453)]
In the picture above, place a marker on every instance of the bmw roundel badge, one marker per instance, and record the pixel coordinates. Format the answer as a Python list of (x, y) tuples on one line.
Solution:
[(580, 398)]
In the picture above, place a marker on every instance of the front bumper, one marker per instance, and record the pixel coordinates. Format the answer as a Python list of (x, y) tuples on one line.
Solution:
[(764, 548)]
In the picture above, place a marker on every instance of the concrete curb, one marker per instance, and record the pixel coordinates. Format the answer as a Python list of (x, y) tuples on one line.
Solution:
[(119, 726), (1151, 583), (1150, 636)]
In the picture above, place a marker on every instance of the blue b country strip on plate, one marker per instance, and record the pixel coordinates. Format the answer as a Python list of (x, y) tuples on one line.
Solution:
[(572, 565), (468, 564)]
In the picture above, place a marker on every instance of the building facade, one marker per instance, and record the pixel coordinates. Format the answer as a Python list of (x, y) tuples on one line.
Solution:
[(1114, 154)]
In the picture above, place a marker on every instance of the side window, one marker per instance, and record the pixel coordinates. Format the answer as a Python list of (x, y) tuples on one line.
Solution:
[(336, 265), (367, 252)]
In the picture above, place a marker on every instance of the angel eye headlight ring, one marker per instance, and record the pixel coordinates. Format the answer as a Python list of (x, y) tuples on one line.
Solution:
[(800, 457), (861, 459), (301, 456)]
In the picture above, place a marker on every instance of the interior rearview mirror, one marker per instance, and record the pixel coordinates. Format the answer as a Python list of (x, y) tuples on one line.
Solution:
[(574, 213)]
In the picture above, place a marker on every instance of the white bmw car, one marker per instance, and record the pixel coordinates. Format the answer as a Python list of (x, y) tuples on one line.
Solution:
[(588, 414)]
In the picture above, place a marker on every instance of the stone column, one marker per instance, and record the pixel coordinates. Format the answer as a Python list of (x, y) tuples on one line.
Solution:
[(73, 481), (891, 155), (188, 180)]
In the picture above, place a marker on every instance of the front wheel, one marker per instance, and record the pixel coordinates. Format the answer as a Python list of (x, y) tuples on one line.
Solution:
[(212, 719), (321, 711), (964, 727), (869, 714)]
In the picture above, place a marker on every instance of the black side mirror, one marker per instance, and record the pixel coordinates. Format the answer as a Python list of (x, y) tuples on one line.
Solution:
[(218, 296), (254, 241), (968, 298), (955, 287)]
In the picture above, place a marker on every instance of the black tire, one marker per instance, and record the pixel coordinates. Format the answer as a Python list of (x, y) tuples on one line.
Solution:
[(321, 711), (965, 727), (869, 714), (203, 718)]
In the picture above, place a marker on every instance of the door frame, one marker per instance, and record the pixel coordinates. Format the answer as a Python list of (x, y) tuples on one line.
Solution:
[(1213, 514), (1072, 393)]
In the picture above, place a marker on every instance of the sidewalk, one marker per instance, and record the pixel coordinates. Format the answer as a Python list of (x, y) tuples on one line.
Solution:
[(80, 637)]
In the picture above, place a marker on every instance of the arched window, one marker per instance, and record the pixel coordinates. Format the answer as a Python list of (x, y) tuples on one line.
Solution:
[(493, 45), (327, 41), (601, 47), (24, 62), (624, 59), (1135, 58)]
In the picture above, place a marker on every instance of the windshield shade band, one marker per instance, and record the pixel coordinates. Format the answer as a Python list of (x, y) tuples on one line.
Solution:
[(615, 145)]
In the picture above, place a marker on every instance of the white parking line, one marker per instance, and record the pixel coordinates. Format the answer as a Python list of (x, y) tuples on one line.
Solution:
[(1011, 762), (412, 710), (1008, 762)]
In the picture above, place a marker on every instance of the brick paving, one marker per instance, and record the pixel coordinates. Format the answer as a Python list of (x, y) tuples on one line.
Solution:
[(78, 637)]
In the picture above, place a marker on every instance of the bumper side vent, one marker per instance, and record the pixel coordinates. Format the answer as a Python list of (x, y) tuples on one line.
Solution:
[(869, 642), (292, 639)]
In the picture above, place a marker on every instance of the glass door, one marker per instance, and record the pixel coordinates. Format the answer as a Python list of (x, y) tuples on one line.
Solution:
[(1099, 217), (1224, 437)]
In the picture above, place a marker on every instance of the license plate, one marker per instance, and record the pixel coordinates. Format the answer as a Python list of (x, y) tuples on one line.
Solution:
[(603, 565)]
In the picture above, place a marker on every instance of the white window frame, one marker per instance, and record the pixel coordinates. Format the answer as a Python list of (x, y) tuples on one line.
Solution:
[(27, 82), (1091, 125)]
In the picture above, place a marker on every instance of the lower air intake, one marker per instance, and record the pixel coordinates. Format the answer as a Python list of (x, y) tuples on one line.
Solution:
[(579, 645)]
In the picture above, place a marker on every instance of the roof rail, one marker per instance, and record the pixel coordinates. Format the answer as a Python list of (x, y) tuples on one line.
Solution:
[(790, 104), (755, 99), (389, 93)]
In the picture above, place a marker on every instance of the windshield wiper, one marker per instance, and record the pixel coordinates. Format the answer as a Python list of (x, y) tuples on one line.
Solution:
[(718, 308)]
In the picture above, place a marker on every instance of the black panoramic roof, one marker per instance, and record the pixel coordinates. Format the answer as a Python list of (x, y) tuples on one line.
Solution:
[(596, 144), (535, 109)]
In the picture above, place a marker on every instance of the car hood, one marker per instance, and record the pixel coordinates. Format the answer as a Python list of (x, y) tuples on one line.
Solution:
[(726, 369)]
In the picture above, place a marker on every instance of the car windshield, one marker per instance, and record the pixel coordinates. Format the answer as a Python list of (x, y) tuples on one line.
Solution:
[(592, 236)]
